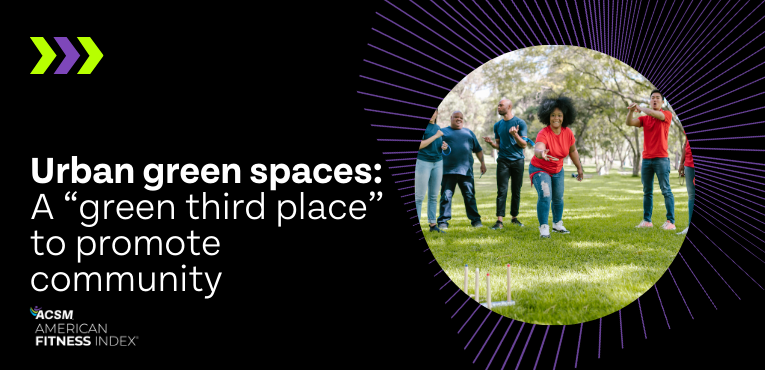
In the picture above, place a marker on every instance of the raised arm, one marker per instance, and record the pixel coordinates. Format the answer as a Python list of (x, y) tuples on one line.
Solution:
[(429, 140), (574, 154), (653, 113), (630, 121), (515, 132), (540, 151)]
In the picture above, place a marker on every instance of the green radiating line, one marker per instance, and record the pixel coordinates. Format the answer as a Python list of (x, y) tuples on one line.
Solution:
[(48, 55), (94, 55)]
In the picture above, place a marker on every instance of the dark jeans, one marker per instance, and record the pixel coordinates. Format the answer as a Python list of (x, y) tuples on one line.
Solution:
[(659, 167), (513, 171), (690, 174), (467, 187)]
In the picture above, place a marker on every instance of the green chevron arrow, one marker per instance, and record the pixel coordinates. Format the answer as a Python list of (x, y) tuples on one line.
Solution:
[(94, 55), (48, 55)]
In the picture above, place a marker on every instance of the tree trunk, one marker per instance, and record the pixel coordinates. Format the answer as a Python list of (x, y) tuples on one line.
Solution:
[(636, 154)]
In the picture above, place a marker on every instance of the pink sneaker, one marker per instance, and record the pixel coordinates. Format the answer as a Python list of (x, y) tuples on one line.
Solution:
[(668, 225), (644, 224)]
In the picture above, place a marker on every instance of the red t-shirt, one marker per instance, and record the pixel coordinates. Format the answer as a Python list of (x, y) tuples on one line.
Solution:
[(688, 156), (558, 145), (655, 133)]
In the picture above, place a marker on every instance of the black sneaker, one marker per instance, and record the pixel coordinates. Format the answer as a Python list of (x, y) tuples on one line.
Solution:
[(436, 229), (498, 225), (516, 222), (476, 224), (443, 226)]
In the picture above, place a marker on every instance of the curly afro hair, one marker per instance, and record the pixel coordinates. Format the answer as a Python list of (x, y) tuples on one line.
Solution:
[(548, 105)]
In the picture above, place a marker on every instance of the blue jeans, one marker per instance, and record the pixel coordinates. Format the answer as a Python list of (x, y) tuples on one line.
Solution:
[(427, 176), (467, 187), (549, 190), (660, 167), (690, 173)]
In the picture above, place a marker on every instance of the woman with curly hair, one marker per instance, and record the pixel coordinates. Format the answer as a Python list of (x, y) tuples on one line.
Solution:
[(554, 143)]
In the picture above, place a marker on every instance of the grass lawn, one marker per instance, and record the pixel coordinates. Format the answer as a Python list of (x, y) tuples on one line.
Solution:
[(604, 264)]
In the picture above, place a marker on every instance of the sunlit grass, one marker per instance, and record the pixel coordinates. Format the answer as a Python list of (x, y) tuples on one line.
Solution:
[(602, 266)]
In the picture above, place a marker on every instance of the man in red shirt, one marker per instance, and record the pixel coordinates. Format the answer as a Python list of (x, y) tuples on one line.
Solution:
[(655, 126)]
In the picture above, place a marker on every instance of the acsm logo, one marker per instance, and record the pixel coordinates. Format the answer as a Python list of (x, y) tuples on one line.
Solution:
[(39, 313)]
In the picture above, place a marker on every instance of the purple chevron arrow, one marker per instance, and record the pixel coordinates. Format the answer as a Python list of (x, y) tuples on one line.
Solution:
[(71, 55)]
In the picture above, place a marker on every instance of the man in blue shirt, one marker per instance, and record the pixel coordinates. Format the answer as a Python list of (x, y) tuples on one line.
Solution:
[(458, 170), (510, 139)]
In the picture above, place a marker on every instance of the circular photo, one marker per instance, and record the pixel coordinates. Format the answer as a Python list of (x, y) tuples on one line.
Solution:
[(554, 185)]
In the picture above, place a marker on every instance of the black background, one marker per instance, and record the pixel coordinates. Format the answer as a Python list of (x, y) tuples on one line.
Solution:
[(279, 84)]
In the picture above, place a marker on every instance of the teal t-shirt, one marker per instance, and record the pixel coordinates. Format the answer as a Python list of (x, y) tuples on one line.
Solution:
[(463, 144), (507, 146), (432, 152)]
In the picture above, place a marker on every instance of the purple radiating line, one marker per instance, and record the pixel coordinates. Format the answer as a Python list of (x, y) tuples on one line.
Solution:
[(531, 43), (681, 31), (426, 41), (403, 181), (417, 224), (525, 345), (442, 287), (559, 345), (555, 42), (455, 293), (697, 280), (479, 328), (650, 60), (723, 128), (452, 31), (600, 331), (436, 33), (703, 185), (562, 40), (440, 271), (470, 24), (713, 268), (681, 296), (589, 24), (731, 259), (508, 26), (421, 238), (71, 55), (500, 344), (400, 159), (535, 22), (484, 25), (487, 339), (729, 170), (495, 25), (471, 316), (619, 25), (729, 92), (687, 48), (408, 165), (742, 228), (402, 173), (731, 138), (401, 87), (573, 25), (598, 25), (610, 26), (434, 260), (424, 54), (730, 187), (733, 149), (655, 286), (463, 304), (723, 50), (541, 346), (640, 56), (396, 100), (632, 34), (581, 327), (410, 62), (719, 76), (670, 37), (641, 318), (408, 187), (413, 152), (513, 346), (660, 79), (407, 75), (621, 335), (560, 13), (412, 216), (731, 160)]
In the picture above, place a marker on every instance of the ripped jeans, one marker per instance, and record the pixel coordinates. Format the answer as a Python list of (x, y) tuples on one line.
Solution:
[(550, 190)]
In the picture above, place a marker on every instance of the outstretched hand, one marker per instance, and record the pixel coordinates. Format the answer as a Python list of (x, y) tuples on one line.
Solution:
[(548, 157), (488, 139)]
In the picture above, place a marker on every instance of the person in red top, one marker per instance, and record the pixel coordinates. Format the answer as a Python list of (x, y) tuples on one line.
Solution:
[(689, 172), (655, 126), (554, 143)]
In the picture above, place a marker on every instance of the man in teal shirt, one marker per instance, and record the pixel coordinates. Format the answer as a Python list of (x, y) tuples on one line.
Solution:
[(458, 170)]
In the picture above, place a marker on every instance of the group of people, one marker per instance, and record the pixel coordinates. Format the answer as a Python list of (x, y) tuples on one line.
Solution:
[(445, 161)]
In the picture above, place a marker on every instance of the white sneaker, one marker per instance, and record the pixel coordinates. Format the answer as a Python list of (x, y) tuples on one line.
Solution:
[(544, 231), (668, 226), (642, 224), (558, 227), (685, 231)]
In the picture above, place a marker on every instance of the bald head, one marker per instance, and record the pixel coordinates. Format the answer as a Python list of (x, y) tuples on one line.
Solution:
[(505, 108), (458, 120)]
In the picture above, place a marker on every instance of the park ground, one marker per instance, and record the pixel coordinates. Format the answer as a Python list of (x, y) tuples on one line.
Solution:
[(603, 265)]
